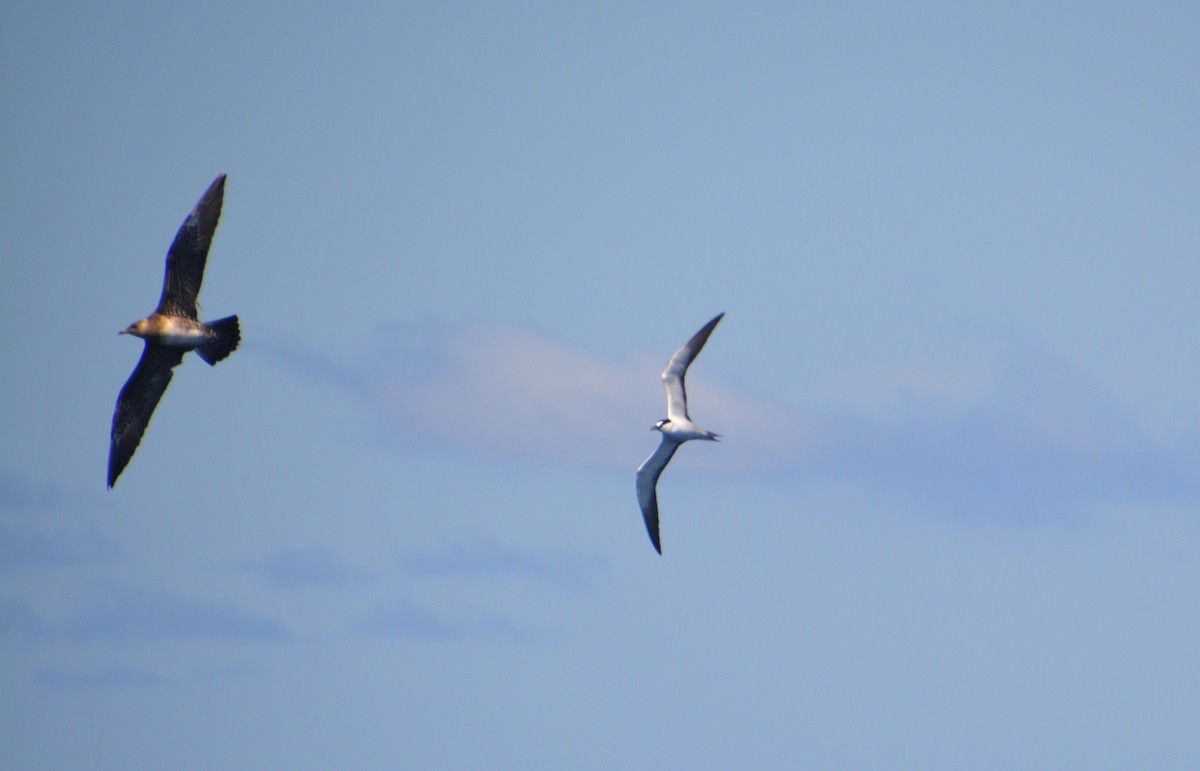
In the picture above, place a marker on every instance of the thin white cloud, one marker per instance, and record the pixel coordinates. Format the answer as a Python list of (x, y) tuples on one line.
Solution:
[(26, 547), (19, 620), (404, 618), (487, 559), (1023, 428), (503, 389), (510, 391), (139, 614), (99, 679), (304, 568), (1028, 430), (18, 493)]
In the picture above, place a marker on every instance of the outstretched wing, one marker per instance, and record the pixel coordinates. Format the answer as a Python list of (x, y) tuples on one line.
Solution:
[(189, 252), (136, 404), (647, 486), (672, 376)]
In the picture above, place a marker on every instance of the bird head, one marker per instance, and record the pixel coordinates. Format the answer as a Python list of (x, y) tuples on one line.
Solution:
[(659, 425), (137, 328)]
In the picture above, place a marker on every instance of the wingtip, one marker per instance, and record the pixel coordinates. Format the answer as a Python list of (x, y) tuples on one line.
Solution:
[(650, 517), (652, 531), (215, 190)]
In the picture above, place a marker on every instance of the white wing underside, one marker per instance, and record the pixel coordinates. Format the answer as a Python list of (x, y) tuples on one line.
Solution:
[(677, 368), (647, 486), (672, 378)]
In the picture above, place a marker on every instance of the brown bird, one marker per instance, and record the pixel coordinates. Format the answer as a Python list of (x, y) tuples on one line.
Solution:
[(172, 330)]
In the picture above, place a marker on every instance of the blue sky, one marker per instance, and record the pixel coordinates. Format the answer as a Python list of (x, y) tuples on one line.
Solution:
[(954, 521)]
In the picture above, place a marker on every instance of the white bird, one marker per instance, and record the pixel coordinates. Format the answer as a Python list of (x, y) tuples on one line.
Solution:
[(676, 428)]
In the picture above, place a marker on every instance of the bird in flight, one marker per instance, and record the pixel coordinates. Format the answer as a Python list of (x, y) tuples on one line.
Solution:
[(172, 330), (676, 428)]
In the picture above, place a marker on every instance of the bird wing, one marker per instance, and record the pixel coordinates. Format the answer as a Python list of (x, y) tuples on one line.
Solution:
[(136, 404), (647, 486), (188, 253), (672, 376)]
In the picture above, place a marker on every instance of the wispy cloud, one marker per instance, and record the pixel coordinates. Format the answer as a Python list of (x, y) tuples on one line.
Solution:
[(98, 680), (129, 614), (18, 619), (138, 613), (18, 493), (485, 558), (404, 618), (509, 391), (1029, 430), (1021, 427), (26, 548), (304, 568)]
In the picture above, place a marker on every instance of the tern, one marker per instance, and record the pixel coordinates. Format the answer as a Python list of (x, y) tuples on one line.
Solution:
[(676, 428), (172, 330)]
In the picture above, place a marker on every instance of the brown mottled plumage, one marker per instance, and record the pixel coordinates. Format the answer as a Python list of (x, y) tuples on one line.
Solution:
[(172, 330)]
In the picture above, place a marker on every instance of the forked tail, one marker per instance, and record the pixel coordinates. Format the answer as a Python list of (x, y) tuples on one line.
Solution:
[(223, 338)]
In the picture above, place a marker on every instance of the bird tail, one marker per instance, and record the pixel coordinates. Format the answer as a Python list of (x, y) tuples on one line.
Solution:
[(223, 338)]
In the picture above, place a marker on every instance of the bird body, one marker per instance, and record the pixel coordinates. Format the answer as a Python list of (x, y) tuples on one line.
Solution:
[(680, 431), (211, 341), (676, 428), (172, 330)]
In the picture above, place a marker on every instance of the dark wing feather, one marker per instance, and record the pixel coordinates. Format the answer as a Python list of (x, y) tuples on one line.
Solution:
[(136, 404), (189, 251), (676, 369), (647, 486)]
